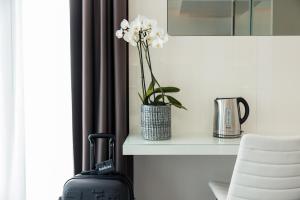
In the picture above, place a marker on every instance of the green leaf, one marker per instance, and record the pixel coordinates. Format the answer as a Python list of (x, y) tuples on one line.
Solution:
[(157, 98), (149, 92), (150, 87), (166, 89), (175, 102), (161, 90)]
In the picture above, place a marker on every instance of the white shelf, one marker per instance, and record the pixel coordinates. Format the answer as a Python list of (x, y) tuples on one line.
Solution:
[(196, 144)]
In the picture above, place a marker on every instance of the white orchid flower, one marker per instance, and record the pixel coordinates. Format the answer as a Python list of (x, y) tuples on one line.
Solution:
[(131, 37), (157, 43), (156, 32), (119, 33), (136, 24), (124, 24), (127, 36), (142, 29), (148, 39), (148, 24)]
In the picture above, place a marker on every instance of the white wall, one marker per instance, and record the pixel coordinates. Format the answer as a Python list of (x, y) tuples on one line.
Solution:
[(264, 70)]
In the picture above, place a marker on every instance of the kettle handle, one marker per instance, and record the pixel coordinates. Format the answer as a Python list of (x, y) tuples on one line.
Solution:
[(247, 110)]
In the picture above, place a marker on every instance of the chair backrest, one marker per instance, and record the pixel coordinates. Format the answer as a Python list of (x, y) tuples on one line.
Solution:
[(267, 168)]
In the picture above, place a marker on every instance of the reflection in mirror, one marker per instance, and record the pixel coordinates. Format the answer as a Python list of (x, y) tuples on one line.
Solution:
[(234, 17), (242, 17), (198, 17), (262, 18)]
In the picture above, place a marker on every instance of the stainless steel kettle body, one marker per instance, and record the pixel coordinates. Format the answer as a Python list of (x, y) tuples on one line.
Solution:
[(227, 117)]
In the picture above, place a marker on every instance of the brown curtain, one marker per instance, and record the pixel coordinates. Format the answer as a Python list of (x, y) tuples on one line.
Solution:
[(99, 67)]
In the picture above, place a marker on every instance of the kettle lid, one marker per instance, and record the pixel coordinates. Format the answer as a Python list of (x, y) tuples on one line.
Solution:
[(220, 98)]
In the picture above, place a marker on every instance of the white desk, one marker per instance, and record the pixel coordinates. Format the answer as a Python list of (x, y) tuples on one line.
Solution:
[(196, 144)]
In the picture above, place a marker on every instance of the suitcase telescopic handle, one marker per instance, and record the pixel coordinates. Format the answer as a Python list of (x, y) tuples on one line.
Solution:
[(111, 144)]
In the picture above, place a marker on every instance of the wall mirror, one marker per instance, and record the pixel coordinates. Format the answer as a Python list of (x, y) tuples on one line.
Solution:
[(233, 17)]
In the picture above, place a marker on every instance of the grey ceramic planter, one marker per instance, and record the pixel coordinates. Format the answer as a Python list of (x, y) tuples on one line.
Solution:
[(156, 122)]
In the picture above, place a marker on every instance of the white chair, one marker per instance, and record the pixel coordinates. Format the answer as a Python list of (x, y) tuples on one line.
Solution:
[(267, 168)]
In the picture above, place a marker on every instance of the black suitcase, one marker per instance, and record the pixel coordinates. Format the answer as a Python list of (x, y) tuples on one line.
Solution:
[(102, 183)]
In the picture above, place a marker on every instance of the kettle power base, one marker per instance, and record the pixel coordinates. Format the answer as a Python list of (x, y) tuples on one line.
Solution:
[(227, 136)]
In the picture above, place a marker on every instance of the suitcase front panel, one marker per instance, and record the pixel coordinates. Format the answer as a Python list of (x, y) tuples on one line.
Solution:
[(96, 189)]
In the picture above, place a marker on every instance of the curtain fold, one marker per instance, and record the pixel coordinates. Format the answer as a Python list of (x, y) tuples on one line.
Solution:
[(12, 130), (99, 79)]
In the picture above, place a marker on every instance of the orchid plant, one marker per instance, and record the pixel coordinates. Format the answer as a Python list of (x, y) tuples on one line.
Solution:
[(144, 33)]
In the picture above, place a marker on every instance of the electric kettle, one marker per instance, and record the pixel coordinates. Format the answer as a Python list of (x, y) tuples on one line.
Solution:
[(227, 117)]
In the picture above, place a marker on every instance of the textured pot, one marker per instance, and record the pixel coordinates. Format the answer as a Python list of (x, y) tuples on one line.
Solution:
[(156, 122)]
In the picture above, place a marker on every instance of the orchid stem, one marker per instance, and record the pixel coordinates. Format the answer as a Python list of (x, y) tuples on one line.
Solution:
[(139, 46), (148, 59)]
